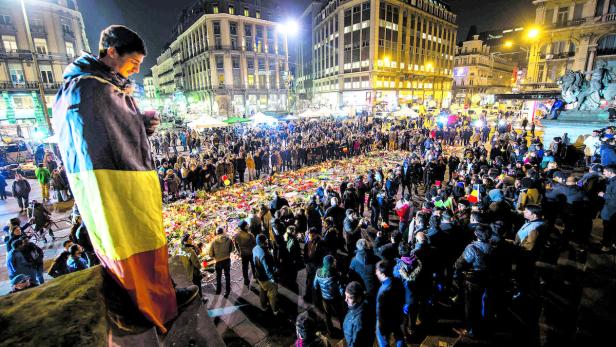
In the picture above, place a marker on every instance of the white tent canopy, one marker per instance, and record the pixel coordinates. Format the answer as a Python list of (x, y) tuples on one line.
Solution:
[(261, 118), (308, 113), (206, 122), (290, 117)]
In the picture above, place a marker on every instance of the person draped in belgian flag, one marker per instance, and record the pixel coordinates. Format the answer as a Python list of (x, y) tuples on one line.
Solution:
[(103, 140)]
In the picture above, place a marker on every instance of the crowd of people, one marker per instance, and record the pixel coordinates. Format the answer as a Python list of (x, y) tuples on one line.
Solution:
[(471, 222), (463, 218)]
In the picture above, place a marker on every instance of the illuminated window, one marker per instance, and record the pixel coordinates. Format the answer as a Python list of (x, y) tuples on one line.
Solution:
[(215, 9), (246, 13), (70, 49), (258, 14), (231, 10)]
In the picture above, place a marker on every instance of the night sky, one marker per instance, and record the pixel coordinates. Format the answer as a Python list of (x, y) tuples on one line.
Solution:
[(153, 19)]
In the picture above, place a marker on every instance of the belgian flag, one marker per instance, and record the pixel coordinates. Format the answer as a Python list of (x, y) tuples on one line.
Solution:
[(106, 152)]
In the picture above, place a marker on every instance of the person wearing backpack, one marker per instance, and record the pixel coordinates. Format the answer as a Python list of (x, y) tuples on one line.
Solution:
[(34, 255)]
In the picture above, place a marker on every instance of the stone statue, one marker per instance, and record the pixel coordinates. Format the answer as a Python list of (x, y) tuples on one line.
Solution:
[(571, 85), (588, 94)]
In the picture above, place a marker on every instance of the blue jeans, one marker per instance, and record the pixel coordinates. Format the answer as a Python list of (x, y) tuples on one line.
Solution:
[(39, 276), (383, 338)]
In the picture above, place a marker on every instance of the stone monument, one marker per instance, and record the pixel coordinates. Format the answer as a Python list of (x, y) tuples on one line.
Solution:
[(586, 97)]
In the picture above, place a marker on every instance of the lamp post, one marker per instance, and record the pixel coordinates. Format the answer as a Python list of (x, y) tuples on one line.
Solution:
[(36, 66), (289, 28)]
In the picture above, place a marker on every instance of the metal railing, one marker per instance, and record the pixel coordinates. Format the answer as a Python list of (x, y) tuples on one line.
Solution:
[(26, 85), (37, 30), (610, 17), (606, 51), (7, 28), (565, 24), (561, 55)]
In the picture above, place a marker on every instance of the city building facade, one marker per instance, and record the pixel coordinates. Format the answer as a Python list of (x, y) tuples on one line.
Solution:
[(379, 55), (227, 56), (479, 73), (58, 35), (305, 52), (148, 87), (574, 35)]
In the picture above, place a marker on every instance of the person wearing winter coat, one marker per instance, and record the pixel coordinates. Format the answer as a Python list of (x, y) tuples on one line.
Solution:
[(251, 167), (193, 264), (76, 261), (314, 251), (363, 266), (389, 306), (220, 250), (266, 275), (475, 260), (59, 185), (358, 326), (3, 186), (307, 333), (21, 191), (608, 212), (173, 181), (408, 269), (244, 243), (58, 267), (16, 262), (327, 284)]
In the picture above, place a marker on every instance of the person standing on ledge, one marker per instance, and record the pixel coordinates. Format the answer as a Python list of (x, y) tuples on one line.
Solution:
[(103, 140)]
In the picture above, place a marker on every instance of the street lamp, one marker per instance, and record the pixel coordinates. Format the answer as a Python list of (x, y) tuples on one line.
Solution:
[(533, 33), (36, 65), (290, 27)]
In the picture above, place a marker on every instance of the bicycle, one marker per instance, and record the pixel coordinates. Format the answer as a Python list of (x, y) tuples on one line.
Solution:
[(32, 231)]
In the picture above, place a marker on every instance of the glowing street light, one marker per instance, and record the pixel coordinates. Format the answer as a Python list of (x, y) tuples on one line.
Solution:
[(386, 60), (429, 66), (508, 44), (290, 27), (533, 33)]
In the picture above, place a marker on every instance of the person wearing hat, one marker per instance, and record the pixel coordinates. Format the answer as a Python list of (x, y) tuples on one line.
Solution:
[(20, 282), (265, 274), (327, 284), (244, 243), (475, 262), (220, 250)]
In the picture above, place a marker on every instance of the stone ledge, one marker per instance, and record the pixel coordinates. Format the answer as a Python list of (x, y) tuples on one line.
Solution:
[(71, 311)]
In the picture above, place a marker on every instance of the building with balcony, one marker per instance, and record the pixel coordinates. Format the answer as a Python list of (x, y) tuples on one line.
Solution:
[(377, 55), (574, 36), (479, 73), (227, 55), (148, 87), (58, 33)]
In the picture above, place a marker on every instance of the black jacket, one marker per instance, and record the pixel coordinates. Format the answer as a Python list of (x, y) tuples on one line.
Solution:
[(358, 326)]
